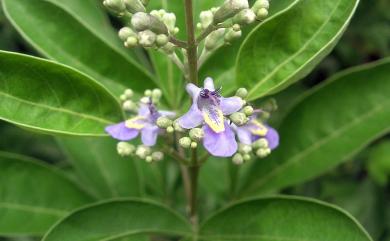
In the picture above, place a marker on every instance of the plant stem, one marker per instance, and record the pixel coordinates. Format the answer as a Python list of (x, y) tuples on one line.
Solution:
[(192, 51)]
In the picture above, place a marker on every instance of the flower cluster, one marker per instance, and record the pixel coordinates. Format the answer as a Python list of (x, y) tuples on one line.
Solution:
[(215, 121)]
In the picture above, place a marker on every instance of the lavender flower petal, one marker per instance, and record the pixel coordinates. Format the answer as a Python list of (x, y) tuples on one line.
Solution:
[(244, 135), (220, 144), (272, 138), (192, 118), (193, 90), (209, 84), (143, 110), (169, 114), (231, 105), (121, 132), (149, 135)]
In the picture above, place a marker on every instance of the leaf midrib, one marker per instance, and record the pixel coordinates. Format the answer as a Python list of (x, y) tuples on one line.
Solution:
[(281, 65), (313, 147), (34, 209)]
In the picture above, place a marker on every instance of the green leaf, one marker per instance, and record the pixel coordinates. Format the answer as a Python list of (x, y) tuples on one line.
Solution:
[(379, 162), (282, 218), (76, 33), (117, 219), (288, 46), (330, 125), (50, 97), (34, 196), (101, 168)]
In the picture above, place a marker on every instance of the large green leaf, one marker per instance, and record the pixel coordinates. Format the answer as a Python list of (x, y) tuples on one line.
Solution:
[(101, 168), (327, 127), (33, 196), (378, 163), (287, 47), (76, 33), (116, 219), (40, 94), (282, 218)]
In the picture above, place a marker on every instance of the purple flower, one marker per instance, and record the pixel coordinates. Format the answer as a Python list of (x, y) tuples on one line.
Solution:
[(254, 130), (208, 109), (144, 122)]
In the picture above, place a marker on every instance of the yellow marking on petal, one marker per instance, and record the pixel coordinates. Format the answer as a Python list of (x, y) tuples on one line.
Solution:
[(217, 125), (135, 123), (260, 129)]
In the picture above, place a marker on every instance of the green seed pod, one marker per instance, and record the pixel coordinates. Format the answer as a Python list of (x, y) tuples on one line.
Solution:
[(134, 6)]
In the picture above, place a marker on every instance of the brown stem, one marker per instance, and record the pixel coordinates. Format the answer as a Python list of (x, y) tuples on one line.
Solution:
[(192, 51)]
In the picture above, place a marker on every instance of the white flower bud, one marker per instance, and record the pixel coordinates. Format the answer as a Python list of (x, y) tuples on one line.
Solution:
[(196, 134), (161, 40), (157, 156), (229, 9), (238, 118), (185, 142), (194, 145), (248, 110), (232, 35), (145, 100), (125, 33), (177, 126), (169, 48), (123, 97), (129, 93), (149, 159), (124, 148), (247, 157), (260, 4), (144, 21), (238, 159), (245, 149), (142, 151), (214, 38), (169, 19), (131, 42), (147, 38), (116, 6), (261, 14), (170, 129), (206, 18), (156, 93), (148, 93), (129, 105), (263, 152), (134, 6), (246, 16), (242, 92), (163, 122), (260, 143)]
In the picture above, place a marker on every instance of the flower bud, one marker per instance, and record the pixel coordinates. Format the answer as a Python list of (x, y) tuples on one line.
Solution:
[(196, 134), (117, 6), (145, 100), (125, 33), (134, 6), (169, 19), (147, 38), (123, 97), (260, 143), (169, 48), (245, 17), (177, 126), (157, 156), (145, 2), (229, 9), (131, 42), (238, 159), (263, 152), (142, 151), (245, 149), (259, 4), (163, 122), (239, 118), (124, 148), (206, 18), (194, 145), (232, 35), (129, 93), (149, 159), (270, 105), (185, 142), (161, 40), (170, 129), (129, 105), (156, 93), (261, 14), (248, 110), (242, 92), (214, 38), (148, 93), (247, 157), (144, 21)]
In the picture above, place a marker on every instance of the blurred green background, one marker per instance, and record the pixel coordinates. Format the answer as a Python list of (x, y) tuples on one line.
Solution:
[(360, 186)]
